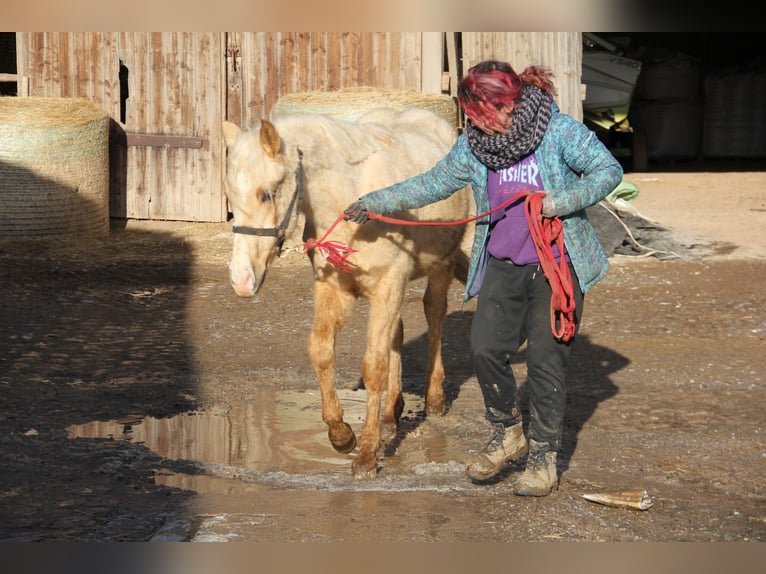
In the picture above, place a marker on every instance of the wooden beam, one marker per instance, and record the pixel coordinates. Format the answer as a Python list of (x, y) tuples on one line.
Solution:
[(431, 62), (159, 140)]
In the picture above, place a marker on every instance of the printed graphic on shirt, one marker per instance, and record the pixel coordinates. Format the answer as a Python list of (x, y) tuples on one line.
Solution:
[(524, 176), (509, 232)]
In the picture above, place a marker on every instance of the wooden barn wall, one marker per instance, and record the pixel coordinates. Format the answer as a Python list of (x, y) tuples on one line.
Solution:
[(72, 64), (561, 51), (263, 66), (174, 91), (167, 155)]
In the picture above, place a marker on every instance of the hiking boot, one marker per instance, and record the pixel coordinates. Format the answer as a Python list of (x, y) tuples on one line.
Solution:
[(506, 445), (540, 476)]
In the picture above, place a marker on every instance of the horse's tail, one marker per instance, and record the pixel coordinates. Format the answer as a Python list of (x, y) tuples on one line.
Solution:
[(461, 266)]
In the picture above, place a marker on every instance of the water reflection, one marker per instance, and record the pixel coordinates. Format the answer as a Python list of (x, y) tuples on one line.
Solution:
[(276, 431)]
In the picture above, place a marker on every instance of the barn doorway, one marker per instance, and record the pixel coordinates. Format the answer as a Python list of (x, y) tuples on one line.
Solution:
[(8, 70)]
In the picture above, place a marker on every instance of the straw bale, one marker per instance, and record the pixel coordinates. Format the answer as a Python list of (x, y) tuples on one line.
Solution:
[(54, 167), (352, 103)]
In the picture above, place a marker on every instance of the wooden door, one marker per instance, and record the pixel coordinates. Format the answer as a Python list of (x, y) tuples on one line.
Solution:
[(172, 101)]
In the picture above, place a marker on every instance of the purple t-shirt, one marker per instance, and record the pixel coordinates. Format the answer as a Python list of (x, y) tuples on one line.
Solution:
[(509, 236)]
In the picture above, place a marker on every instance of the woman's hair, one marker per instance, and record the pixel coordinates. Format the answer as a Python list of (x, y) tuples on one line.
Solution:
[(491, 85)]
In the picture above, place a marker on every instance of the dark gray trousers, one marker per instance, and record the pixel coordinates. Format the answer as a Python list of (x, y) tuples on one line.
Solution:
[(514, 306)]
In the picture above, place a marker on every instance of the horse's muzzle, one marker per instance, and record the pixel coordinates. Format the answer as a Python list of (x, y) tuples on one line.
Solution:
[(243, 281)]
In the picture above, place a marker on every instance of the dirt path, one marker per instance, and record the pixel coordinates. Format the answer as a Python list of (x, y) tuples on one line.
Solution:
[(115, 342), (724, 209)]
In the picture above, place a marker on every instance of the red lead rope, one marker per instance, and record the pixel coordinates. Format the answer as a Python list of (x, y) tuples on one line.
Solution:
[(545, 232)]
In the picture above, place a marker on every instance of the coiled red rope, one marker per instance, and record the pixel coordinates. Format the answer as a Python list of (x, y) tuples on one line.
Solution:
[(545, 231)]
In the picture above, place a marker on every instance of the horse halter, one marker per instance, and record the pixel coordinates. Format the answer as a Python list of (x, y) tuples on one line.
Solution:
[(295, 206)]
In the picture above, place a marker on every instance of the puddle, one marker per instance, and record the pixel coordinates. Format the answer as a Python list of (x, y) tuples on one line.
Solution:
[(278, 430), (279, 435)]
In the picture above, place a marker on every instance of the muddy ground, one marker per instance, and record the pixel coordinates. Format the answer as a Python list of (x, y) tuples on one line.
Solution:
[(666, 394)]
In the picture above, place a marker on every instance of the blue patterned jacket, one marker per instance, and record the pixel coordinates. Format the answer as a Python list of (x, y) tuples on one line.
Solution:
[(576, 168)]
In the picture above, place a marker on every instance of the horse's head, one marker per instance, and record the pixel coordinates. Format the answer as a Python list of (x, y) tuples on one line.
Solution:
[(255, 172)]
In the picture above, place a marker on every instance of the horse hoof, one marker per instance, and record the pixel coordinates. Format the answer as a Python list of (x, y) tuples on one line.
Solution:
[(363, 471), (436, 409), (342, 438)]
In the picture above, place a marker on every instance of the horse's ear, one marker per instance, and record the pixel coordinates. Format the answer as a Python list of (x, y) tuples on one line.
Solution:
[(230, 132), (269, 138)]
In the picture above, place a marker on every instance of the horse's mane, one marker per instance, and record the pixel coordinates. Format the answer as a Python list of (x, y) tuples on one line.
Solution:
[(371, 133), (352, 141)]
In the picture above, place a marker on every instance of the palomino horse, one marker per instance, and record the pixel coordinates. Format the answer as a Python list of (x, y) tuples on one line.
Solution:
[(324, 164)]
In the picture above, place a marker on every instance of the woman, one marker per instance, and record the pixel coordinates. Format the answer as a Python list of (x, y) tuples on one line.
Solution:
[(517, 140)]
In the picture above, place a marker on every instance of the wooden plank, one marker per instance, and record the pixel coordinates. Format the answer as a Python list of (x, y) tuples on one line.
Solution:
[(172, 78), (351, 58), (303, 70), (283, 58), (431, 63), (203, 112), (270, 78), (318, 60), (85, 72), (134, 51), (107, 67), (368, 59), (192, 80), (67, 63), (413, 69), (453, 63), (22, 63), (51, 73), (333, 61), (156, 174), (34, 63), (209, 162)]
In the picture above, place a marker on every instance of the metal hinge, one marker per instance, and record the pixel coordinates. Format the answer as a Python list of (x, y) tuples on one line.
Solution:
[(233, 53)]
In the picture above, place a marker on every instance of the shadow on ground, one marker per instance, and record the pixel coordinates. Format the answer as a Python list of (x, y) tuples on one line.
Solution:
[(90, 330)]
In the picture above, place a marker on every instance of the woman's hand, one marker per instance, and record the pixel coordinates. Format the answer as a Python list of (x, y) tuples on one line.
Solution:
[(549, 205), (356, 212)]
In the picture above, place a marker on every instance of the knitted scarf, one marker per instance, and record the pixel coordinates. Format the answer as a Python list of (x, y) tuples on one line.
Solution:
[(531, 115)]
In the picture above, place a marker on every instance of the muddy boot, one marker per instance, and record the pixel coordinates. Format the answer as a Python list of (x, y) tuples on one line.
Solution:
[(506, 445), (540, 476)]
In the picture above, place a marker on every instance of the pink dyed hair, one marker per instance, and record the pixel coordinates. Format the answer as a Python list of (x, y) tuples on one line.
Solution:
[(491, 85)]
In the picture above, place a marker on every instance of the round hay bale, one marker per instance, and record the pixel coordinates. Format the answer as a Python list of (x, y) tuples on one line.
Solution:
[(352, 103), (54, 167)]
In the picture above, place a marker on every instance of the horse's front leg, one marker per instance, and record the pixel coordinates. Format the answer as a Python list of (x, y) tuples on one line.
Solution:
[(384, 323), (330, 306), (389, 424), (435, 307)]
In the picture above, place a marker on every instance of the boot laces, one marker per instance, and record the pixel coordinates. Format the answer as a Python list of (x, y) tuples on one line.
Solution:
[(536, 457), (496, 440)]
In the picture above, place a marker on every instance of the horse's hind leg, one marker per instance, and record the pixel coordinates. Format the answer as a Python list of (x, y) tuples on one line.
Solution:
[(435, 306), (330, 307)]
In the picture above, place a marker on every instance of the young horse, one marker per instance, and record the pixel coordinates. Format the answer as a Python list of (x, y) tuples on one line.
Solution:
[(330, 163)]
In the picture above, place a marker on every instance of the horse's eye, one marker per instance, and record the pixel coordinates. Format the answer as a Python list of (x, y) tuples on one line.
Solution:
[(267, 195)]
